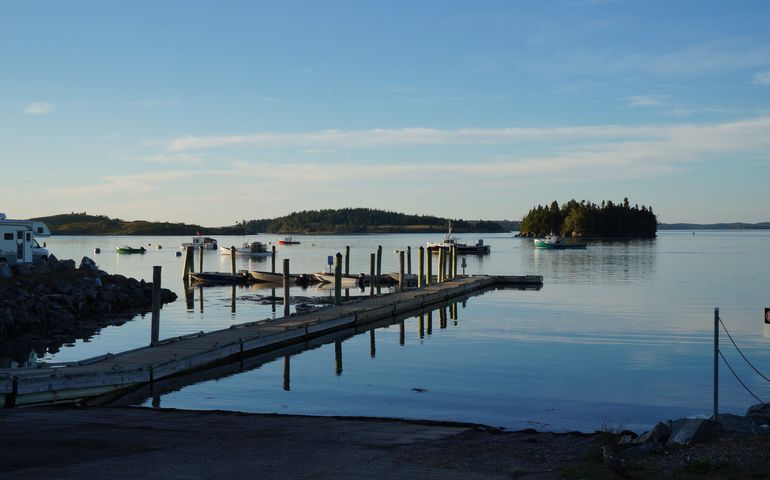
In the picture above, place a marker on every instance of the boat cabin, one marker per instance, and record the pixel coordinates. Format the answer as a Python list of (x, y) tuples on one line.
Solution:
[(17, 240)]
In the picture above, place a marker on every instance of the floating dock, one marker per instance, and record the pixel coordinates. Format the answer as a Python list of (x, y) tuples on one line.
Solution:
[(116, 373)]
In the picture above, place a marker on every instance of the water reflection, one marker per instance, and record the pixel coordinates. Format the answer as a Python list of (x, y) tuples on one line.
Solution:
[(154, 393)]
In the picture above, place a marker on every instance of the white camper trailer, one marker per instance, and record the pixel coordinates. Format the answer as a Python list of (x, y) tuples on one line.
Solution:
[(17, 240)]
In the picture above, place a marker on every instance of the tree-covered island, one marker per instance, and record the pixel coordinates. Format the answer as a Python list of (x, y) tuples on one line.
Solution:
[(587, 219), (329, 221)]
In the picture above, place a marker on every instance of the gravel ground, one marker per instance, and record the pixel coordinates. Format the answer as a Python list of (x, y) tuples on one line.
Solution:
[(123, 443)]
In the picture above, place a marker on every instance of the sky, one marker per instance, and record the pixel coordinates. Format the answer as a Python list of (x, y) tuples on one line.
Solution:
[(214, 112)]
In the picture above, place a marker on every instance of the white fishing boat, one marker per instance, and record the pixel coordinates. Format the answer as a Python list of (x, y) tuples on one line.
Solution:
[(252, 249), (199, 241), (450, 241)]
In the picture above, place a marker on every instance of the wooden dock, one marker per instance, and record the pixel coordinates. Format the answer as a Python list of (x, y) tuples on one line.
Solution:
[(112, 373)]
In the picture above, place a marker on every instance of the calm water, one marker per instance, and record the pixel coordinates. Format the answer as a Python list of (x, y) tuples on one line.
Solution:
[(621, 333)]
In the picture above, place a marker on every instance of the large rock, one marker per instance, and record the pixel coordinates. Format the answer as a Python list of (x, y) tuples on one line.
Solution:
[(659, 434), (88, 264), (22, 269), (737, 424), (68, 265), (686, 431), (761, 410), (40, 266), (53, 263)]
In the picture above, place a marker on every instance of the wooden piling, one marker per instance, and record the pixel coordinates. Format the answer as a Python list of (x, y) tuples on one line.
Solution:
[(421, 326), (347, 259), (441, 265), (286, 284), (409, 260), (286, 372), (338, 279), (155, 327), (372, 344), (401, 333), (232, 299), (420, 267), (232, 259), (272, 260), (379, 262), (454, 261), (200, 267), (338, 357), (429, 267), (401, 276), (187, 262), (371, 275)]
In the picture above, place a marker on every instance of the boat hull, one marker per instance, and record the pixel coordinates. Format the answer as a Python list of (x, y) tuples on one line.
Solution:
[(544, 245)]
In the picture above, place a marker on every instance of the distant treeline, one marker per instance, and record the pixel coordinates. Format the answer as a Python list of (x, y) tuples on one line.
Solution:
[(586, 219), (346, 220), (361, 220)]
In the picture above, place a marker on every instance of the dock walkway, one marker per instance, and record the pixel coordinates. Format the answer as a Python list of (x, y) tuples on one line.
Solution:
[(109, 373)]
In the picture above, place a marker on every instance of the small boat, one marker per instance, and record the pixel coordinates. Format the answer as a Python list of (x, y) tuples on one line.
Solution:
[(270, 277), (127, 249), (252, 249), (450, 241), (555, 242), (288, 241), (218, 278), (347, 280), (199, 241)]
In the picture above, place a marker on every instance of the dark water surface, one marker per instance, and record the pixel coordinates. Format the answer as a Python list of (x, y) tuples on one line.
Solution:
[(621, 333)]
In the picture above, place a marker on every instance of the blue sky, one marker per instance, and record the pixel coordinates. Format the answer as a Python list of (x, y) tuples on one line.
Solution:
[(212, 112)]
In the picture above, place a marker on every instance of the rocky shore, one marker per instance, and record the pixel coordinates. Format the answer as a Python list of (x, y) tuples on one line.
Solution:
[(53, 296)]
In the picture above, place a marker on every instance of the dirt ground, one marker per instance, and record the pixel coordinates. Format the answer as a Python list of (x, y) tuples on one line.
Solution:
[(123, 443)]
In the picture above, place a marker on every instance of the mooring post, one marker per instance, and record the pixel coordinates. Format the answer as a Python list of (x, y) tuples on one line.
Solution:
[(371, 274), (441, 264), (200, 265), (286, 299), (716, 365), (372, 344), (401, 276), (155, 328), (187, 266), (232, 300), (232, 259), (287, 372), (409, 259), (347, 259), (272, 260), (454, 261), (420, 267), (338, 279), (379, 262), (429, 267), (338, 357)]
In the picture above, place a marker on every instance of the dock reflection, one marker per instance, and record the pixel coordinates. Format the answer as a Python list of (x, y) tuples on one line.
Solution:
[(248, 363)]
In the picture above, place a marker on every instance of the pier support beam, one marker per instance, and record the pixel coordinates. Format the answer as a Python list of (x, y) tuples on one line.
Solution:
[(716, 365), (188, 262), (420, 267), (347, 259), (379, 263), (200, 265), (272, 260), (371, 275), (286, 284), (401, 276), (232, 259), (155, 326), (338, 279), (409, 260), (429, 267)]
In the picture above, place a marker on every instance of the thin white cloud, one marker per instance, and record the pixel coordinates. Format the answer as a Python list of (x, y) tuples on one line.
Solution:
[(647, 100), (173, 158), (38, 108), (762, 78)]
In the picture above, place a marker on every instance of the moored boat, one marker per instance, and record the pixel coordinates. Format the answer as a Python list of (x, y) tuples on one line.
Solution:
[(555, 242), (450, 241), (199, 241), (288, 241), (218, 278), (253, 249), (127, 249), (347, 280)]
